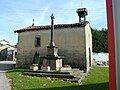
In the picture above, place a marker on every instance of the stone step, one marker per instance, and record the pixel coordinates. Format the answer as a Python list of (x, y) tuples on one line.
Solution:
[(67, 76), (75, 75), (52, 72)]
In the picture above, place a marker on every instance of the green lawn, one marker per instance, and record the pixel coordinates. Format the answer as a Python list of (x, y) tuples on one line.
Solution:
[(96, 80)]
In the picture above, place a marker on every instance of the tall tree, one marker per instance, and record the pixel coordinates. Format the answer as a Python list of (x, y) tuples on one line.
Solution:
[(100, 40)]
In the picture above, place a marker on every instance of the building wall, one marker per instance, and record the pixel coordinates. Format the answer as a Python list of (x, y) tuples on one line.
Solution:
[(101, 56), (88, 43), (70, 42)]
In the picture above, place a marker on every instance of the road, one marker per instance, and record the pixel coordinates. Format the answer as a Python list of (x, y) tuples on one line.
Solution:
[(4, 82)]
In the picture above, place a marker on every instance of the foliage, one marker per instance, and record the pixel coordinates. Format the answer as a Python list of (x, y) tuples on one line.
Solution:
[(1, 57), (36, 58), (97, 80), (100, 40)]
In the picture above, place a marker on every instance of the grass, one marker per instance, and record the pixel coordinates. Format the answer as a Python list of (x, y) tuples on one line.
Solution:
[(98, 75), (96, 80)]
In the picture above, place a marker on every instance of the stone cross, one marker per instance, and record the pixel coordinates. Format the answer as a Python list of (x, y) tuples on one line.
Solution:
[(52, 44), (33, 23)]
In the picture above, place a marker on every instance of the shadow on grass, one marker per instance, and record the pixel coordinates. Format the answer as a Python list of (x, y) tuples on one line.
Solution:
[(100, 86)]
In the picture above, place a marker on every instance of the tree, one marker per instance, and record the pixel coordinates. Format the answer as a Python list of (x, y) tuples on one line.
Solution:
[(100, 40)]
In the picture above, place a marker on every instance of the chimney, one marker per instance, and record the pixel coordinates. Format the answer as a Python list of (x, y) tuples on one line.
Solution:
[(82, 13)]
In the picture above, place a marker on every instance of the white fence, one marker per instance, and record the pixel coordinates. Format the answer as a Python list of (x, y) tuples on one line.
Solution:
[(101, 56)]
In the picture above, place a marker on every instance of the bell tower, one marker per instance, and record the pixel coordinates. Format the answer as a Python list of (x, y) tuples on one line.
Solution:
[(82, 13)]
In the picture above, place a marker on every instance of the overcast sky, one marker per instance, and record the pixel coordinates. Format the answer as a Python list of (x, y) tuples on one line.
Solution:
[(17, 14)]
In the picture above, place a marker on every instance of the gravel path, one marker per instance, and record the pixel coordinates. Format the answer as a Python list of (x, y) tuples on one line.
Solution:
[(4, 82)]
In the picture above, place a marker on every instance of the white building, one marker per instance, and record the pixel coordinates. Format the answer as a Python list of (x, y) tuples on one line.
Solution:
[(74, 42), (7, 52)]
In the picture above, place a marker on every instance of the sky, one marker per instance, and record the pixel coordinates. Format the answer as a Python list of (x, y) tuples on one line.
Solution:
[(17, 14)]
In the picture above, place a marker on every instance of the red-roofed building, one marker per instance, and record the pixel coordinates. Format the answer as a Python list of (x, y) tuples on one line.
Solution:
[(73, 40)]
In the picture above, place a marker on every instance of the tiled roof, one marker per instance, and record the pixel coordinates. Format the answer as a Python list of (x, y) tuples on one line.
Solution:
[(36, 28)]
